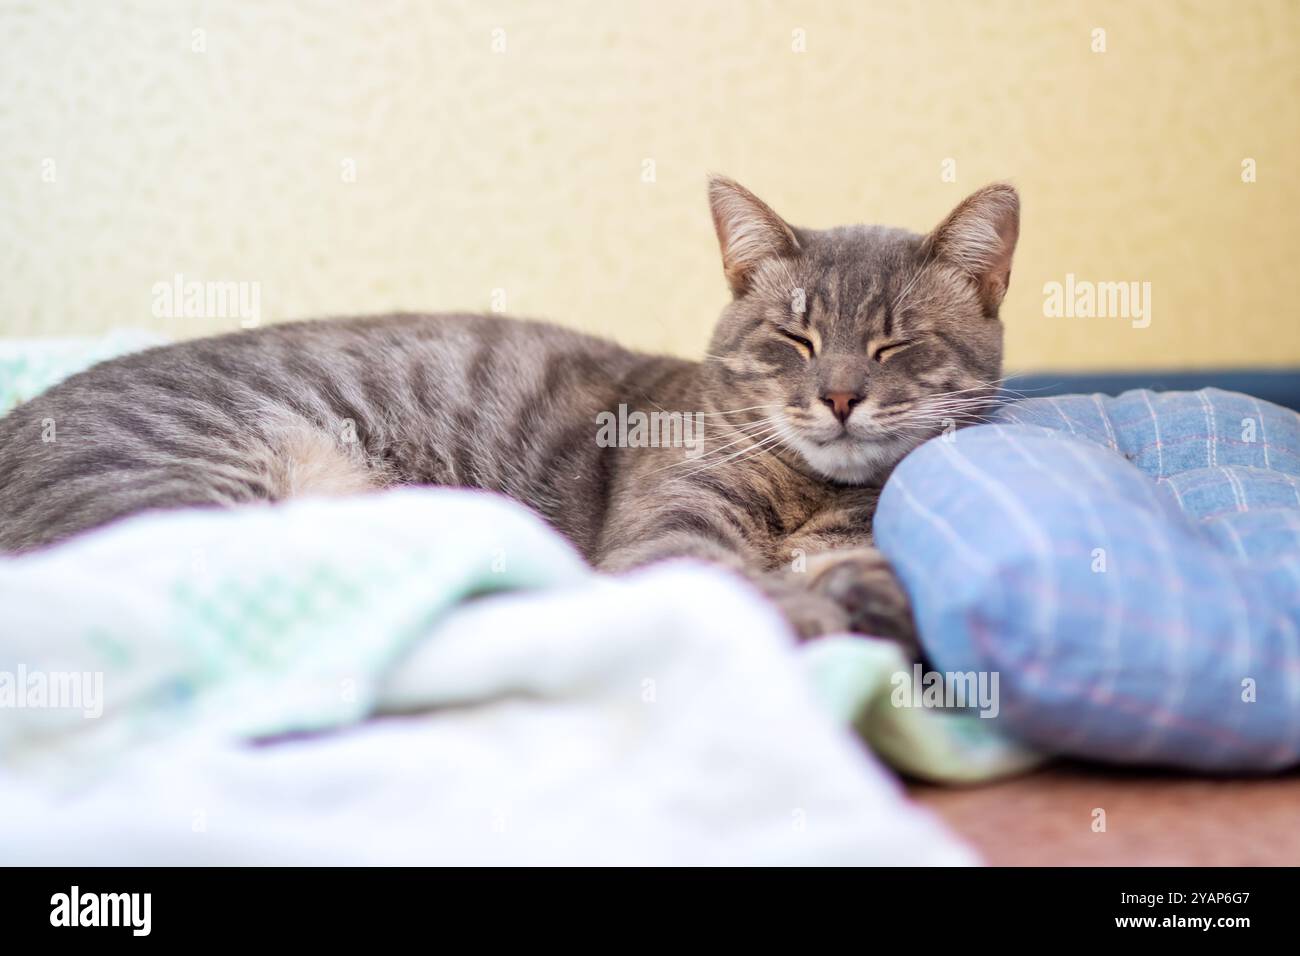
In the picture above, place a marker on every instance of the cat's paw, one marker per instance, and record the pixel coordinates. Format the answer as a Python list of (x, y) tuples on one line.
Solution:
[(810, 614), (863, 584)]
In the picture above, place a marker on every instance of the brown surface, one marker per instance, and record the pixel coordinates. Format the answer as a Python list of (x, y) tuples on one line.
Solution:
[(1152, 819)]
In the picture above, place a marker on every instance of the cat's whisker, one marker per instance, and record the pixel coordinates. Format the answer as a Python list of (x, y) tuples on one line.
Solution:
[(973, 396), (767, 445), (764, 429), (733, 411), (733, 427), (760, 429), (949, 411), (929, 413), (982, 387), (762, 445), (762, 432), (932, 411), (940, 415), (935, 426)]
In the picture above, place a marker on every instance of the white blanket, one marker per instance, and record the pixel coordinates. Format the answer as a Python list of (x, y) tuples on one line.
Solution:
[(662, 718)]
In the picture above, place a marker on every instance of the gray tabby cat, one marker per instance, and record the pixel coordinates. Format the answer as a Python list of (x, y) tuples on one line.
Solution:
[(841, 350)]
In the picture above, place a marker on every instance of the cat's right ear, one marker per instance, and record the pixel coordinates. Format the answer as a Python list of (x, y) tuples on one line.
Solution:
[(749, 231)]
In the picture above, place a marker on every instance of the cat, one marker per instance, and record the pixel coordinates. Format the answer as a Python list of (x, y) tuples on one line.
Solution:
[(840, 351)]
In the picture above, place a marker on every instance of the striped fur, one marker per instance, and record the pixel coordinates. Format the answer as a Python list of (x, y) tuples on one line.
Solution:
[(784, 491)]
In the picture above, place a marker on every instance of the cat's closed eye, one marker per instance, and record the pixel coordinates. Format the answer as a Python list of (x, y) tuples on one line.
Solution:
[(798, 339), (883, 352)]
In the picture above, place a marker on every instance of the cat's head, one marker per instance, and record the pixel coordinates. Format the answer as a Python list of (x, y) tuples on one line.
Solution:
[(848, 347)]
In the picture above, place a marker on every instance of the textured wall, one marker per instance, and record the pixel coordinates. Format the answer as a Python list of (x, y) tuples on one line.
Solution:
[(143, 139)]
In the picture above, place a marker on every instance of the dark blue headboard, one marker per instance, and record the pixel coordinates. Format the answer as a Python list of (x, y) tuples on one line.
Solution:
[(1281, 386)]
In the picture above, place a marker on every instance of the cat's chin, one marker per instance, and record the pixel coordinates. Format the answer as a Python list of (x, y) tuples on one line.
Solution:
[(851, 461)]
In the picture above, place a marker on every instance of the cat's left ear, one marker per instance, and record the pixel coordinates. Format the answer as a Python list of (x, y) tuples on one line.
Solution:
[(979, 237), (749, 231)]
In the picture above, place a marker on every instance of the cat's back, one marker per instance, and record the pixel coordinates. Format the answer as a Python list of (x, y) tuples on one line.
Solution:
[(468, 400), (364, 370)]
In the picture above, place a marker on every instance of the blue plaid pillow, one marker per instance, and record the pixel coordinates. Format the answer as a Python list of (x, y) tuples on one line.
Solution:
[(1129, 566)]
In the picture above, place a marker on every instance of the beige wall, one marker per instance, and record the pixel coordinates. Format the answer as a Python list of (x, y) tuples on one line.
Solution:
[(127, 156)]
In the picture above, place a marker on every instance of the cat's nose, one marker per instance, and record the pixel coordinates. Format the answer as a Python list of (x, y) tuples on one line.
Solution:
[(841, 403)]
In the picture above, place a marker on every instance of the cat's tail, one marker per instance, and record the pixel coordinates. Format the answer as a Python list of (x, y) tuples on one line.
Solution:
[(306, 460), (59, 489)]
